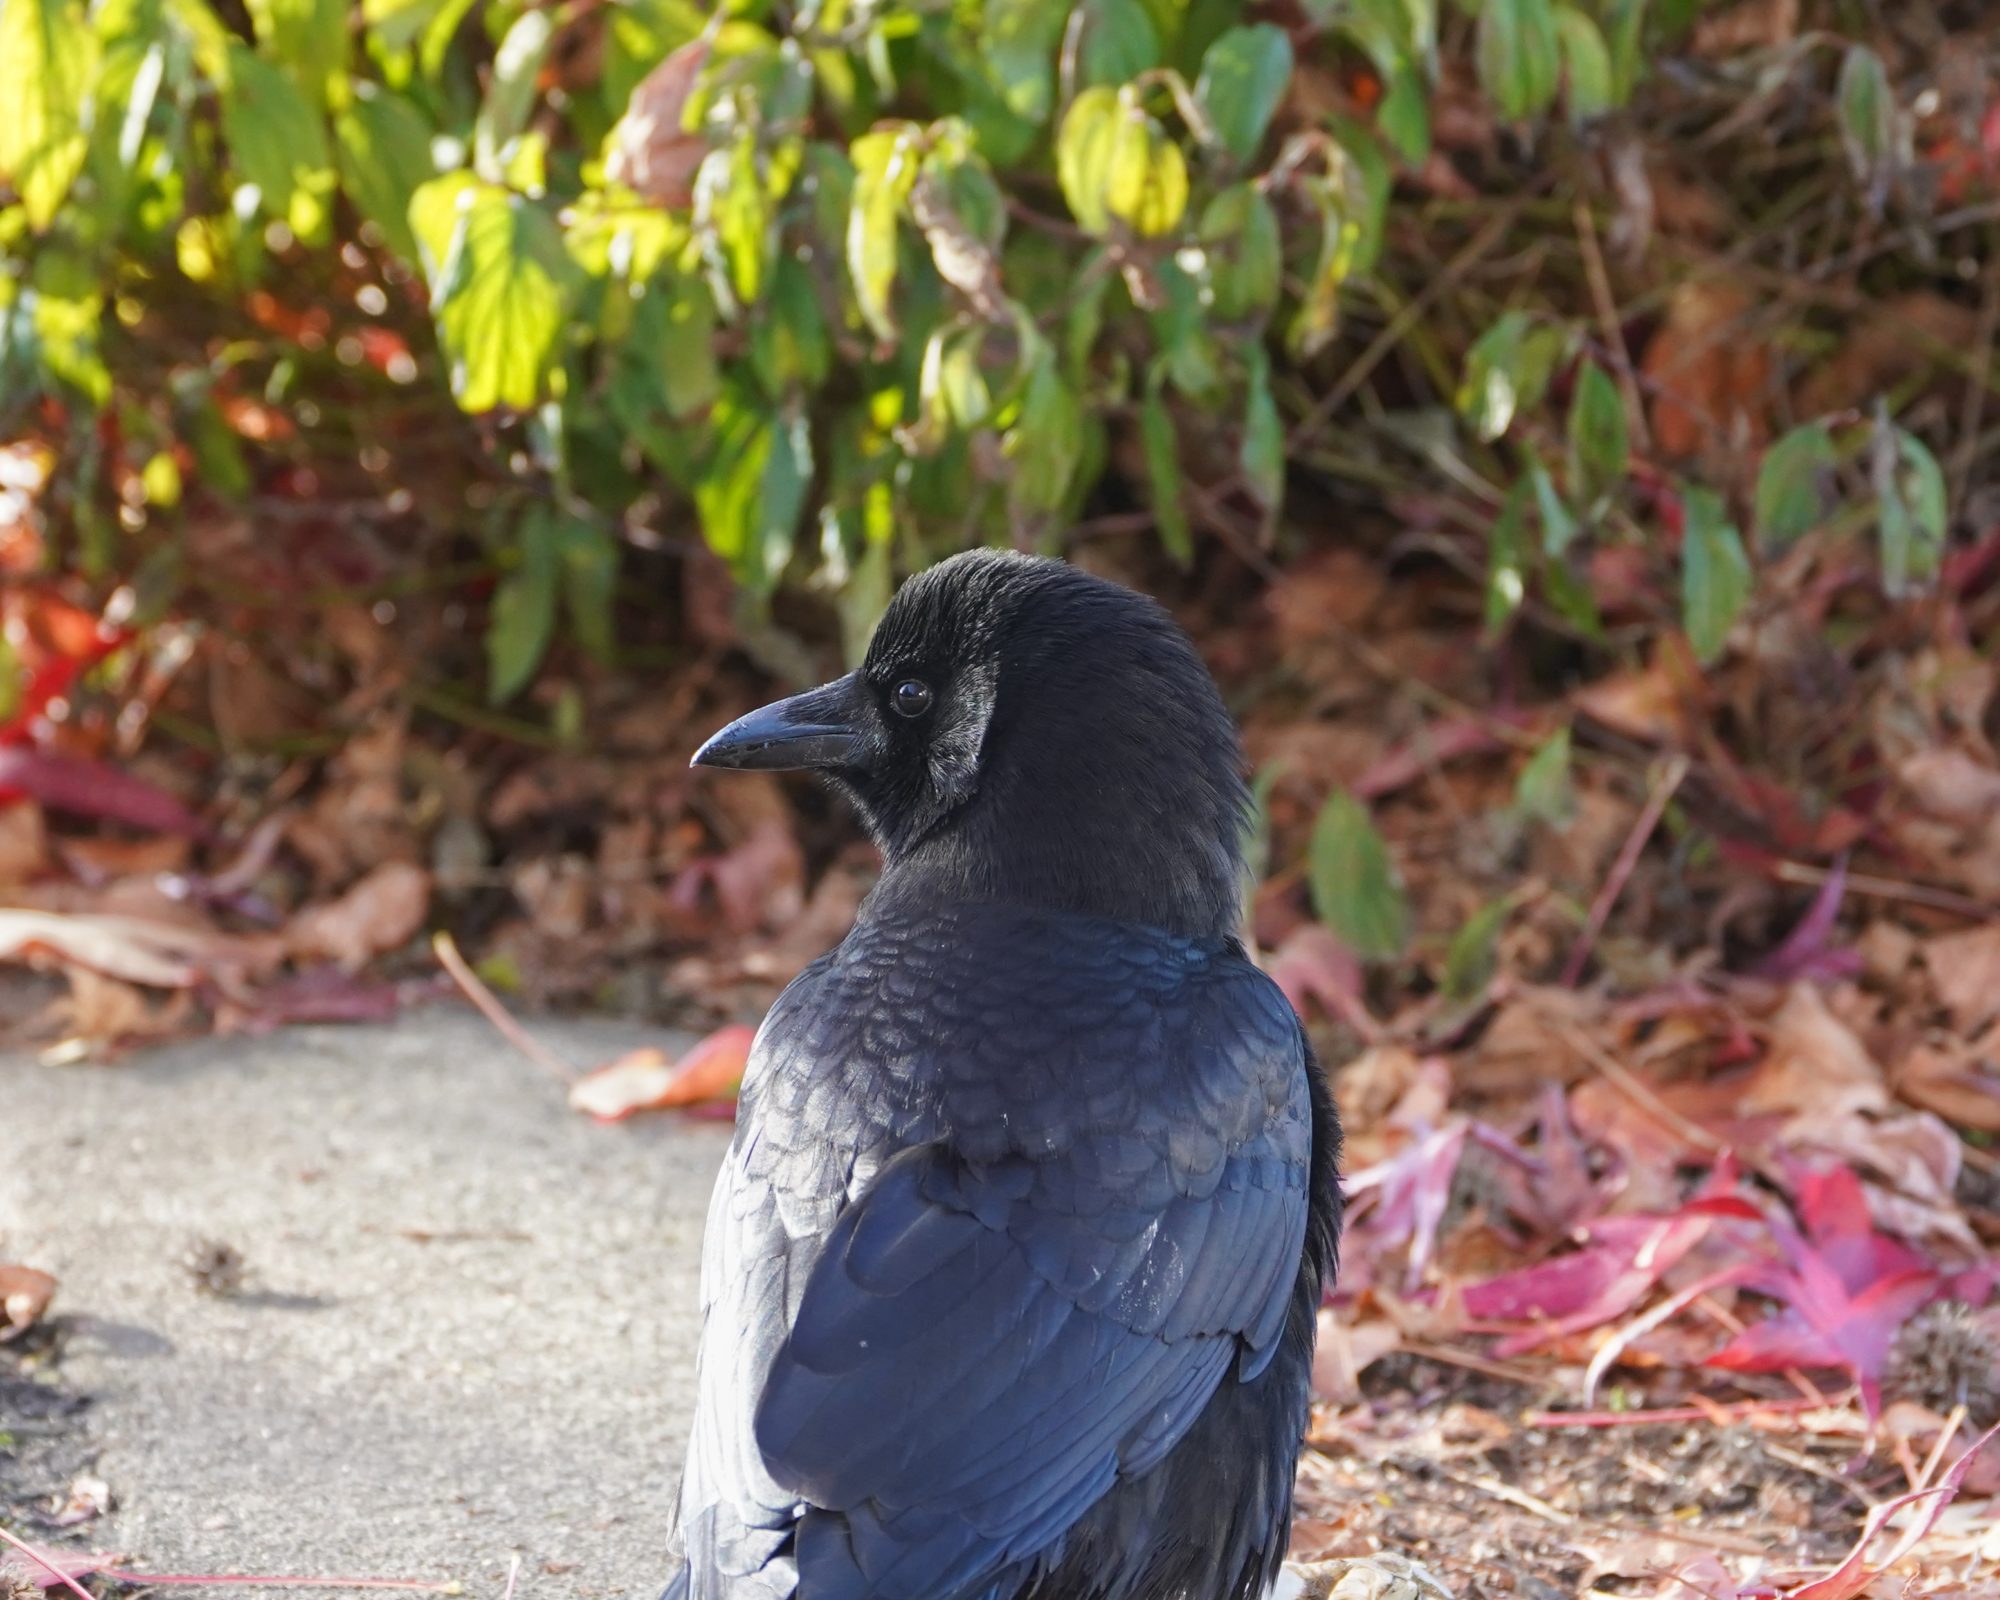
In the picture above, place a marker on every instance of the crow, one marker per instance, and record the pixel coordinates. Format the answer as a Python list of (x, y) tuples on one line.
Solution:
[(1010, 1277)]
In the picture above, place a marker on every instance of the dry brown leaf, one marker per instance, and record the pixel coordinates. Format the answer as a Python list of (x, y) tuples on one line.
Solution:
[(381, 912), (1965, 969), (1951, 784), (1963, 1087), (1814, 1064), (1750, 25), (94, 859), (162, 955), (1897, 339), (105, 1010), (654, 153), (25, 1293), (1648, 704), (24, 842), (1710, 380)]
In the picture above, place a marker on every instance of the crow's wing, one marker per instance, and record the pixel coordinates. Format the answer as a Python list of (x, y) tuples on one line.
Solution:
[(983, 1349)]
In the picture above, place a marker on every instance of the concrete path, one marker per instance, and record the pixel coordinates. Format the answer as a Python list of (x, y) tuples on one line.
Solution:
[(468, 1323)]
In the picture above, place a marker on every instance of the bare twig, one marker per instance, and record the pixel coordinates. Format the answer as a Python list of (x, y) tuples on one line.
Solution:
[(1607, 318), (1621, 869), (489, 1007)]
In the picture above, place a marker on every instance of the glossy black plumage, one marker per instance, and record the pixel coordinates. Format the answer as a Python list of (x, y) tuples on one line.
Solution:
[(1010, 1276)]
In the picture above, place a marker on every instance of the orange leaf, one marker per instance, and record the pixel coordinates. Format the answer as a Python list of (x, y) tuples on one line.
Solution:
[(646, 1080)]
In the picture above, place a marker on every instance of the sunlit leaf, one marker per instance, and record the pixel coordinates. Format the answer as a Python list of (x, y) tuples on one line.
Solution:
[(307, 38), (278, 140), (735, 217), (1715, 573), (1243, 77), (499, 284), (1020, 41), (1791, 484), (1116, 163), (1355, 887), (753, 492), (885, 170), (510, 91), (47, 57)]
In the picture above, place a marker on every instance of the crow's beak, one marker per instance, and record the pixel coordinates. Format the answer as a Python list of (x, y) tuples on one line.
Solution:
[(811, 730)]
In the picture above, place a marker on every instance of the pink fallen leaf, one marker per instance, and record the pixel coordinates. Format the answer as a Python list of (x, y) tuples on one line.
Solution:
[(648, 1079), (92, 789), (1401, 1201), (1856, 1573), (1619, 1265)]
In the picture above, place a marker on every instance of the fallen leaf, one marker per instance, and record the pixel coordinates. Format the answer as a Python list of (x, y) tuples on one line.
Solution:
[(1965, 968), (1944, 1076), (1710, 379), (24, 842), (161, 955), (647, 1079), (385, 910), (25, 1293), (89, 1497)]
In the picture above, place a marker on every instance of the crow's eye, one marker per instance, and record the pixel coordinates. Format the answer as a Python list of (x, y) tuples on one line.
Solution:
[(911, 698)]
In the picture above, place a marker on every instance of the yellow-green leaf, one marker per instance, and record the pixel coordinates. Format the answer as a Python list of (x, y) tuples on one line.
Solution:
[(48, 56), (499, 283), (885, 170)]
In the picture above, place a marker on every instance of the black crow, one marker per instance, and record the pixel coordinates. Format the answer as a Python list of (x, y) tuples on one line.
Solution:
[(1010, 1277)]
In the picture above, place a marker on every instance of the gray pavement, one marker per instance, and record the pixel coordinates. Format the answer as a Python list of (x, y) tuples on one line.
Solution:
[(468, 1324)]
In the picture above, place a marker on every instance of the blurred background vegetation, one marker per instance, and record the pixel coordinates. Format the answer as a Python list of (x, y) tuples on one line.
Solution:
[(424, 419)]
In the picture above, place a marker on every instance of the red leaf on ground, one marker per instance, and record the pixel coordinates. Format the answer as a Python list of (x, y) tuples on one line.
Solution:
[(93, 789)]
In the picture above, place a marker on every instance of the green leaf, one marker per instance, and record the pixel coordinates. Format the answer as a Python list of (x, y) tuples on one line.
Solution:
[(1342, 242), (1021, 38), (1045, 443), (1404, 116), (66, 301), (1866, 104), (1490, 393), (1355, 888), (885, 170), (1559, 528), (1119, 43), (1470, 961), (48, 56), (1243, 77), (278, 139), (1239, 231), (1715, 573), (499, 287), (1544, 792), (1115, 163), (1790, 484), (1586, 65), (1625, 21), (1519, 58), (754, 491), (1163, 474), (524, 607), (1598, 448), (1910, 491), (589, 578), (735, 216), (307, 38), (1506, 559), (510, 94), (1262, 457), (385, 157)]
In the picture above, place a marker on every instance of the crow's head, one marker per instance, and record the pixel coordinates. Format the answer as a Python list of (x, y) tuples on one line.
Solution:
[(1022, 731)]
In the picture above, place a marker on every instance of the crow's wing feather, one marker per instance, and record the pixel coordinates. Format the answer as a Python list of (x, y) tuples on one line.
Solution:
[(976, 1361)]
